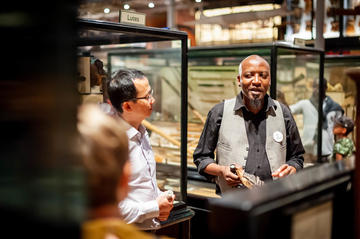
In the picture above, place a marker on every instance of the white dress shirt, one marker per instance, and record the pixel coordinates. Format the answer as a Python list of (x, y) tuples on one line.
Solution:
[(310, 123), (140, 206)]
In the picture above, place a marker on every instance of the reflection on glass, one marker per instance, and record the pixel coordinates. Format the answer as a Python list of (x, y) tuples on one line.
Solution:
[(297, 80), (340, 87)]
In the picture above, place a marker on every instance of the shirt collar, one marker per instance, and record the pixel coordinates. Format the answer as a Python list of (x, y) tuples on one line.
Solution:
[(239, 103), (134, 133), (131, 131)]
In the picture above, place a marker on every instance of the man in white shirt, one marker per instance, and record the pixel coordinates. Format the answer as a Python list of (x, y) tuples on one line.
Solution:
[(131, 95), (310, 123)]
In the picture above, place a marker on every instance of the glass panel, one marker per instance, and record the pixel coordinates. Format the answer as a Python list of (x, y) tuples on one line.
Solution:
[(340, 87), (297, 86), (161, 64)]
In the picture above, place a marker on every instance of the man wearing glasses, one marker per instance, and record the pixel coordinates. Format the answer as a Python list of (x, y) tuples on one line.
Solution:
[(131, 95)]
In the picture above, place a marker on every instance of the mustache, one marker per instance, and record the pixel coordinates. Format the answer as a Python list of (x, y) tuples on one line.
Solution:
[(256, 89)]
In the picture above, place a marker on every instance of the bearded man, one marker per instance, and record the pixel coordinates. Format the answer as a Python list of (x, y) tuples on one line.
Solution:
[(251, 132)]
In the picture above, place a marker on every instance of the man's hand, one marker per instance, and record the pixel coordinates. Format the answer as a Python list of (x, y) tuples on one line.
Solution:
[(284, 170), (230, 178), (165, 205)]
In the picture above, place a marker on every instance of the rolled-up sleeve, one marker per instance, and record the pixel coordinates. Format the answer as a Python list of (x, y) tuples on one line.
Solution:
[(295, 149), (138, 211), (204, 152)]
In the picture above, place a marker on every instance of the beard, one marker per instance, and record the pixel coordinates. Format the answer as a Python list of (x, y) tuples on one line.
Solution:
[(256, 103)]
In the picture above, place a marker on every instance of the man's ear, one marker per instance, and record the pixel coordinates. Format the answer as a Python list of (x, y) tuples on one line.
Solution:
[(126, 106), (239, 80), (123, 183)]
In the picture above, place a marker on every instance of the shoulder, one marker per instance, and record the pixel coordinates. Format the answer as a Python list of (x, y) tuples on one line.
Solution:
[(347, 141), (217, 110), (284, 108), (117, 227)]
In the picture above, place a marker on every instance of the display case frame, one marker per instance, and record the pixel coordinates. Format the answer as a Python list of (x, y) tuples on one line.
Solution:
[(123, 34)]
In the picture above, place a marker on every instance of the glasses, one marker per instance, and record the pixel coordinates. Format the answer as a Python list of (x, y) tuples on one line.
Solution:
[(147, 97)]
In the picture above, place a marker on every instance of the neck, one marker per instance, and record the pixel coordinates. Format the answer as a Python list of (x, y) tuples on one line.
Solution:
[(105, 211), (131, 121)]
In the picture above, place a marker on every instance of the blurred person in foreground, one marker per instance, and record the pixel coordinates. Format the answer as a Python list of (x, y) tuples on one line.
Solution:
[(132, 96), (104, 148), (250, 132)]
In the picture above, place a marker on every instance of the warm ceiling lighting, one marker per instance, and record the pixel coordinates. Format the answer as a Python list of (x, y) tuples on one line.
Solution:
[(151, 5), (197, 0), (106, 10), (126, 6)]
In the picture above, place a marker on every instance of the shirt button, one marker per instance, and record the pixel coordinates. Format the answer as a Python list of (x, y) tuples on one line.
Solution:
[(257, 150), (258, 166)]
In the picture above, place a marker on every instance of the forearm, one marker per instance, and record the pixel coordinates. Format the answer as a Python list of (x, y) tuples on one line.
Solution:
[(138, 211), (214, 169)]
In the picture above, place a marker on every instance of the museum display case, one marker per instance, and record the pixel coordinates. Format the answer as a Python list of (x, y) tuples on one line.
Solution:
[(167, 125)]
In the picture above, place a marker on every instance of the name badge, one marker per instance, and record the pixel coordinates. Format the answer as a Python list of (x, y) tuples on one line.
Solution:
[(278, 136)]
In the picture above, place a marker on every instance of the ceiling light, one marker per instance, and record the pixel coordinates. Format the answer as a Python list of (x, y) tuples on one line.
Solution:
[(151, 5), (126, 6), (106, 10), (197, 0)]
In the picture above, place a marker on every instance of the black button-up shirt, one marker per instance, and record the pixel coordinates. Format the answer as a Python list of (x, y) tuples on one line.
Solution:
[(257, 162)]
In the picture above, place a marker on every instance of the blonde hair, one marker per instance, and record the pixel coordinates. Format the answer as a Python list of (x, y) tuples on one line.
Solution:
[(104, 149)]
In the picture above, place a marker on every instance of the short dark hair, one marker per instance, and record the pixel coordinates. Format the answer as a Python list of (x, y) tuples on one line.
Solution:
[(346, 123), (121, 87)]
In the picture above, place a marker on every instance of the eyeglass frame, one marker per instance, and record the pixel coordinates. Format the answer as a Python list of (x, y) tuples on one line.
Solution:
[(147, 97)]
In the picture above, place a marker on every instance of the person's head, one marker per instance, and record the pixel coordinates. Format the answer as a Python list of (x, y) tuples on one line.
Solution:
[(254, 79), (316, 88), (130, 93), (343, 125), (280, 96), (104, 150)]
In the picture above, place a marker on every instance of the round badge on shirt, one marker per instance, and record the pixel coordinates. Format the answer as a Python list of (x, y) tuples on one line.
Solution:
[(278, 136)]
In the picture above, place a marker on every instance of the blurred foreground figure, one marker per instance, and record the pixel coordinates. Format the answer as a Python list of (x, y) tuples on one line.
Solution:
[(104, 148)]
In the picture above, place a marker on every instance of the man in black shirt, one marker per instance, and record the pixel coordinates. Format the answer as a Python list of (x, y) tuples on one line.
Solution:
[(252, 131)]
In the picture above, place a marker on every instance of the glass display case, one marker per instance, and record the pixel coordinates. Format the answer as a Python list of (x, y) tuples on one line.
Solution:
[(97, 45), (340, 87)]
